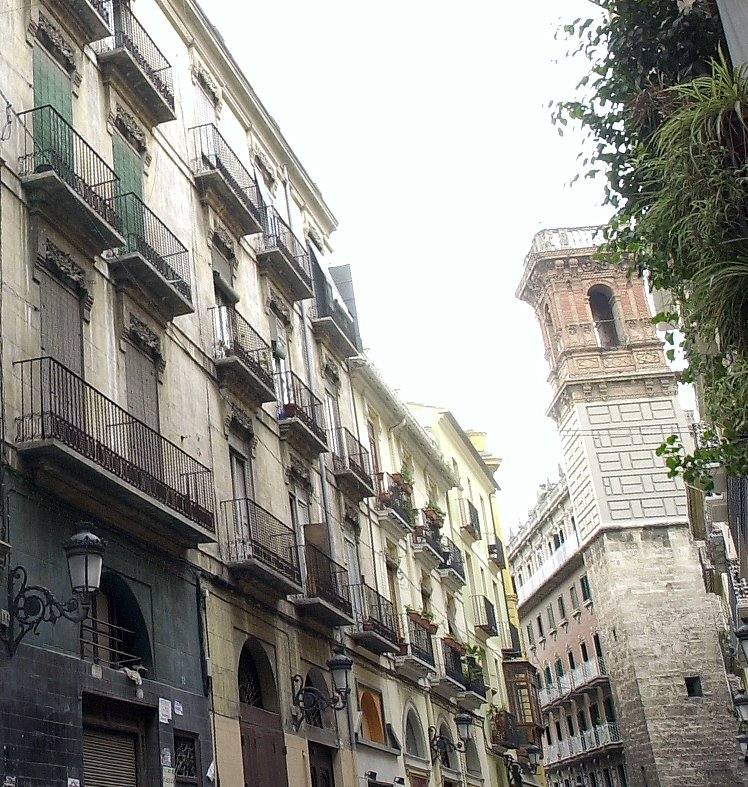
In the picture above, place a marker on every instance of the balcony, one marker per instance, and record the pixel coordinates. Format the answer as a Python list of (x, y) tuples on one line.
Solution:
[(86, 448), (470, 521), (485, 617), (376, 622), (93, 17), (593, 741), (475, 686), (351, 464), (331, 322), (561, 687), (512, 645), (283, 257), (152, 259), (261, 547), (300, 415), (508, 733), (140, 67), (102, 642), (242, 357), (394, 507), (427, 546), (225, 181), (416, 657), (66, 179), (450, 680), (328, 597), (588, 674), (452, 567), (560, 557), (496, 555)]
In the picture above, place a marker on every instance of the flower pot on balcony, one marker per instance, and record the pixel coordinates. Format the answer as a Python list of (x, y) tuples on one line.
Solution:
[(435, 518), (290, 410), (406, 486), (451, 642)]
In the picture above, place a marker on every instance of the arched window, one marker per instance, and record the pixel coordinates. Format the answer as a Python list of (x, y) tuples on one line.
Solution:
[(446, 757), (415, 744), (314, 678), (602, 307), (372, 726), (114, 633), (256, 678)]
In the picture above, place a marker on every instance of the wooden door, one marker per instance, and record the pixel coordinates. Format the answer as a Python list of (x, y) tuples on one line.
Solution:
[(320, 766), (263, 748), (53, 138)]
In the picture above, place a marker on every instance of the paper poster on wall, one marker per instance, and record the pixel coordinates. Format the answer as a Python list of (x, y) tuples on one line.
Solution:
[(164, 710), (168, 779)]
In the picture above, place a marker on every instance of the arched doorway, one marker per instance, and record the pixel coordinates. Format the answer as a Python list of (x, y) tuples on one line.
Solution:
[(263, 745)]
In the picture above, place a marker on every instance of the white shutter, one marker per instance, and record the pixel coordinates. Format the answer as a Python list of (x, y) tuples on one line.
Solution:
[(109, 759)]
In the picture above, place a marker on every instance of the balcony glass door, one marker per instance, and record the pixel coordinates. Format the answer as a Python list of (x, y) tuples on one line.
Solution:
[(241, 485), (53, 139), (333, 422)]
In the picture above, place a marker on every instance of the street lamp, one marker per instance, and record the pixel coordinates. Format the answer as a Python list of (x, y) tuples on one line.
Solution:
[(310, 701), (441, 744), (31, 605), (740, 701)]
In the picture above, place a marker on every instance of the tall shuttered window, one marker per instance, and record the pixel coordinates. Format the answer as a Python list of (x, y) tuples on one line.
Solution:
[(61, 323), (52, 85), (142, 387), (109, 759)]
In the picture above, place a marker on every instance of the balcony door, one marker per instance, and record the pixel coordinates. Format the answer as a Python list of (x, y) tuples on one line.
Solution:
[(53, 140), (144, 440), (241, 483), (128, 166), (320, 766), (332, 411)]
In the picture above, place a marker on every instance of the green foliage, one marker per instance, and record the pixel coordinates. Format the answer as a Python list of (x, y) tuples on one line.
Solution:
[(668, 120)]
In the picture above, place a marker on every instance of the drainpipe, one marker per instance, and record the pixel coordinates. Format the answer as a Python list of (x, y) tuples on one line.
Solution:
[(202, 593)]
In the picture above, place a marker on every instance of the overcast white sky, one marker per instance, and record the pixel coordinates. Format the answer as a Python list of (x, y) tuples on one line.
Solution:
[(425, 124)]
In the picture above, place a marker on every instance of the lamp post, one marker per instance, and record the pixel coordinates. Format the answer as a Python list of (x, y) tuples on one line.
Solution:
[(310, 701), (31, 605)]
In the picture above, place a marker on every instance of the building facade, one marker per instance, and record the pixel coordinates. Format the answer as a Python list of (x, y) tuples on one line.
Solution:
[(181, 372), (610, 590)]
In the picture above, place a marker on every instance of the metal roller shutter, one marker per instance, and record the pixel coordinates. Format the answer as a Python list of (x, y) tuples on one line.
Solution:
[(108, 759)]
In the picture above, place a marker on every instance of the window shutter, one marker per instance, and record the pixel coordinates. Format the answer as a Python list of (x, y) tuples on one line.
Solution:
[(128, 166), (109, 759), (142, 387), (61, 324), (52, 85)]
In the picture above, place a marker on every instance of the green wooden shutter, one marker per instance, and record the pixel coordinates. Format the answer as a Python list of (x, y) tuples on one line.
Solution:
[(128, 166), (53, 139), (52, 85)]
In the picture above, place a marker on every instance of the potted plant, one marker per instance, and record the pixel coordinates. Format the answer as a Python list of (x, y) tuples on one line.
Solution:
[(427, 619), (434, 513), (404, 479), (456, 645)]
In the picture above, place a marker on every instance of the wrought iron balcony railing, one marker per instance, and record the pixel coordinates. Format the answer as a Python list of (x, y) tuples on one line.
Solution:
[(496, 554), (101, 8), (425, 535), (130, 34), (453, 558), (327, 579), (213, 154), (296, 400), (51, 144), (57, 404), (375, 612), (233, 336), (276, 234), (452, 662), (419, 643), (325, 306), (474, 678), (349, 454), (147, 235), (588, 671), (485, 615), (254, 533), (104, 643), (392, 495)]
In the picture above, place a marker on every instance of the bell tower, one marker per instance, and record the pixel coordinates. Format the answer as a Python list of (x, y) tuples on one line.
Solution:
[(614, 402), (614, 397)]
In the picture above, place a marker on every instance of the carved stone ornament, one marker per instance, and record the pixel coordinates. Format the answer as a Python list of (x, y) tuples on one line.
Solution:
[(205, 80), (146, 339), (298, 473), (223, 240), (60, 264), (53, 39), (315, 238), (278, 306), (351, 518), (130, 129), (330, 369), (267, 170)]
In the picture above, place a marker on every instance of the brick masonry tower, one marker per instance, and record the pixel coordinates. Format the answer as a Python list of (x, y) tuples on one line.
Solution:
[(614, 401)]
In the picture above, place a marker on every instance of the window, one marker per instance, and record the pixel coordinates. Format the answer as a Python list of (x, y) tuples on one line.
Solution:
[(608, 777), (561, 608), (551, 617), (523, 703), (574, 598), (594, 714), (548, 736), (570, 724), (610, 714), (586, 592), (240, 476), (583, 648), (693, 686), (622, 778), (602, 308), (186, 767), (548, 675), (530, 635), (372, 717), (61, 323), (559, 668), (593, 779), (539, 623), (414, 742), (572, 662), (581, 721), (559, 736)]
